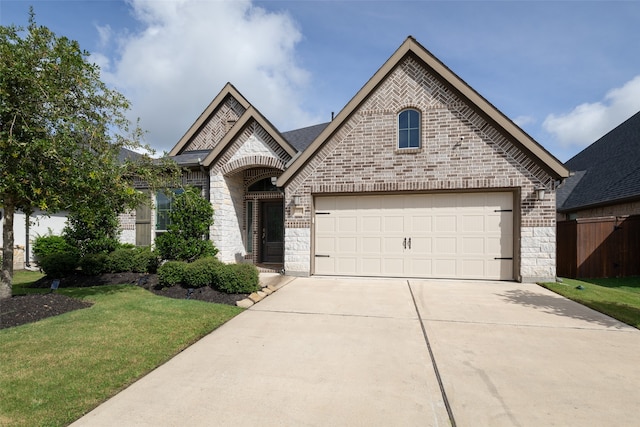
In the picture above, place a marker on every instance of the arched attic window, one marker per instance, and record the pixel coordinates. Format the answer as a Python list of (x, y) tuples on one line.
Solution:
[(265, 184), (409, 128)]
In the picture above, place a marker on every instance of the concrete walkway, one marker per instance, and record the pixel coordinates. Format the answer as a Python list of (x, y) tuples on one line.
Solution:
[(359, 352)]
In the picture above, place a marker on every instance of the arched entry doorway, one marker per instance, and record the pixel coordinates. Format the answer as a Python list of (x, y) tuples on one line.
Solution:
[(264, 222)]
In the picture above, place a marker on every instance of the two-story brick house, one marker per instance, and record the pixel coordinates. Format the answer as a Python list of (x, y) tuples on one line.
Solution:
[(417, 176)]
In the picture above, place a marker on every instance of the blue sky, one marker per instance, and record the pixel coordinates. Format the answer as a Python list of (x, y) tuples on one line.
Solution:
[(567, 72)]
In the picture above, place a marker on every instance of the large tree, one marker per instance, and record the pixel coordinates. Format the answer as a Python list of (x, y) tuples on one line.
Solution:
[(61, 132)]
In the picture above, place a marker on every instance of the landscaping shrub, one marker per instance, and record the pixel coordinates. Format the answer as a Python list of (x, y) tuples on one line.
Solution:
[(58, 265), (44, 246), (94, 264), (147, 260), (236, 278), (121, 260), (201, 272), (191, 217), (171, 273)]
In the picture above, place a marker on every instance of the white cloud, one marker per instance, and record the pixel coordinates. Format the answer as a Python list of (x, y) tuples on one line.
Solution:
[(524, 120), (590, 121), (186, 50)]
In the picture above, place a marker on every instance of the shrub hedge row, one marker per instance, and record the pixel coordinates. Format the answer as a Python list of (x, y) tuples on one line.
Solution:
[(229, 278)]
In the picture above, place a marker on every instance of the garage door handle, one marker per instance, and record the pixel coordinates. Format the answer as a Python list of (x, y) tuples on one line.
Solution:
[(404, 243), (409, 242), (322, 256)]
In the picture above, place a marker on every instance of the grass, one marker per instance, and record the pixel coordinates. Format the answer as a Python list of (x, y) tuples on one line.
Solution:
[(618, 298), (22, 279), (54, 371)]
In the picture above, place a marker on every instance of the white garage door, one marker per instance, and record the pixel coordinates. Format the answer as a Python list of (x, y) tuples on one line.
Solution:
[(455, 235)]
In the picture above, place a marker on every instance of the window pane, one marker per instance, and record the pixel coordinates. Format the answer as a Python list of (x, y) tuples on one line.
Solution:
[(409, 129), (403, 139), (403, 120), (414, 138), (249, 227), (414, 119)]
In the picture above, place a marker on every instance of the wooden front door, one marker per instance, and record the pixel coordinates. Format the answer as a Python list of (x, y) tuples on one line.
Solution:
[(272, 232)]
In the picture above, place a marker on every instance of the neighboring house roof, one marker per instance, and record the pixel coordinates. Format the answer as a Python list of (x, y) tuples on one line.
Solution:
[(606, 172), (191, 158), (411, 47), (126, 154)]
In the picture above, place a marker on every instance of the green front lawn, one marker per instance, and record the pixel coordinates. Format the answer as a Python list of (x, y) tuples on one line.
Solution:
[(23, 278), (618, 298), (54, 371)]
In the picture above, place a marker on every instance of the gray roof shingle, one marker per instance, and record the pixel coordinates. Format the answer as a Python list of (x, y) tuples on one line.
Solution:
[(302, 138), (606, 171)]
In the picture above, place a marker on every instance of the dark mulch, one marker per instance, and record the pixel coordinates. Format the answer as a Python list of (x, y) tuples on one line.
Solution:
[(19, 310)]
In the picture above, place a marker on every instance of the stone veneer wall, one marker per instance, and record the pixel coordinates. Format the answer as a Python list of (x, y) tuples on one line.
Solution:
[(227, 201), (254, 155), (460, 151)]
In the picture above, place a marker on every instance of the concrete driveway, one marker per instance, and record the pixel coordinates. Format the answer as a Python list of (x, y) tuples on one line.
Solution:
[(361, 352)]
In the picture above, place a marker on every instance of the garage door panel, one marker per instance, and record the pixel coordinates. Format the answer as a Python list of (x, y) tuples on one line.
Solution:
[(347, 265), (393, 224), (445, 245), (325, 245), (473, 224), (347, 224), (371, 224), (473, 245), (455, 235), (326, 265), (325, 224), (372, 266), (445, 224), (393, 266), (371, 245), (347, 244), (445, 267), (421, 245), (421, 267), (419, 223), (472, 268)]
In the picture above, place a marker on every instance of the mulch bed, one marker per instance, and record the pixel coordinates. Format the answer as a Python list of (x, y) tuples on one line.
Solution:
[(19, 310)]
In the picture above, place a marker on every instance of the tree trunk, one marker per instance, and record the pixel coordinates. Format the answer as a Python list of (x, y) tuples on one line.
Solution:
[(6, 277)]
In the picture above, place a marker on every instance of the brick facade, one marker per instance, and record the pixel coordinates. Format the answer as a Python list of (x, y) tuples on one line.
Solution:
[(459, 151)]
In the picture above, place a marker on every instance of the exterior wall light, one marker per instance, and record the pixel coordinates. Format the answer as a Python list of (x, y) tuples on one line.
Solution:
[(540, 191)]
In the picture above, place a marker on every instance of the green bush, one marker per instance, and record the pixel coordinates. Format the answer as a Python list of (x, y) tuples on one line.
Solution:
[(103, 245), (58, 265), (201, 272), (171, 273), (147, 260), (191, 217), (121, 260), (237, 278), (44, 246), (94, 264)]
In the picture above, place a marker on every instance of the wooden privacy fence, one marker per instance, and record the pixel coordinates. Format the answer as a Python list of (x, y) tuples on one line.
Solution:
[(598, 247)]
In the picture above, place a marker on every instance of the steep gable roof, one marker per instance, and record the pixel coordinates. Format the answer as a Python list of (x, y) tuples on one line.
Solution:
[(227, 90), (249, 116), (411, 47), (607, 171)]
